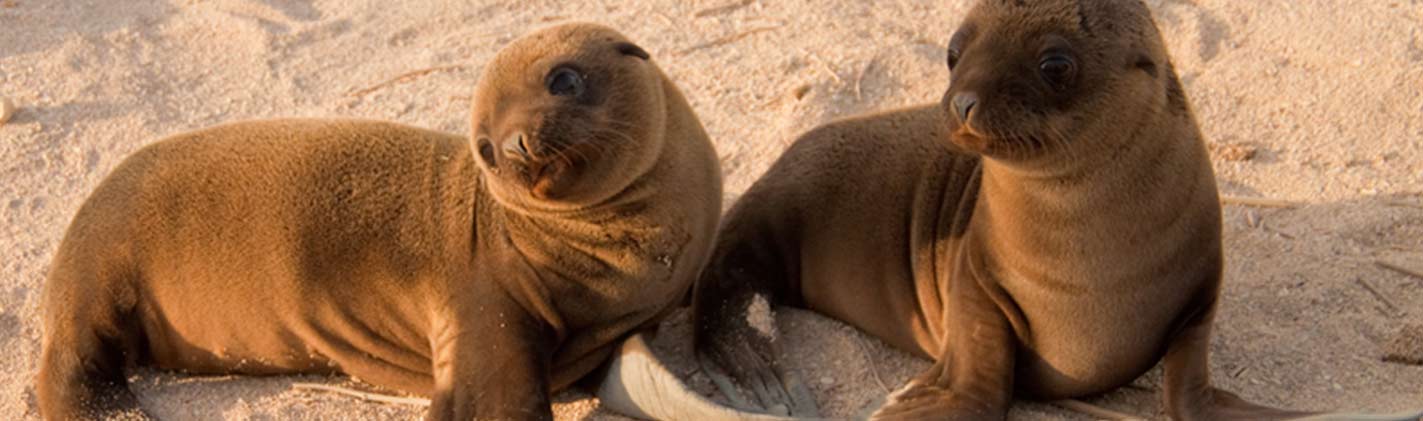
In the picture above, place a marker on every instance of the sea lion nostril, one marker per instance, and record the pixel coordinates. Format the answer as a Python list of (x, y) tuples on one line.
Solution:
[(516, 146), (964, 104)]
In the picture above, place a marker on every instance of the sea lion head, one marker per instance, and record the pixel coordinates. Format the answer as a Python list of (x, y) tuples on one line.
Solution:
[(1046, 78), (567, 116)]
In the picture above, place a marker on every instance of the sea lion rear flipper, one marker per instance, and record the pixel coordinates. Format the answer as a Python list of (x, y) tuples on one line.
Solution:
[(734, 321), (1403, 416), (89, 340), (639, 385), (81, 378), (777, 389)]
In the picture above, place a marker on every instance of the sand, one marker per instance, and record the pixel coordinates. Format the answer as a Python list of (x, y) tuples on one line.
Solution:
[(1312, 101)]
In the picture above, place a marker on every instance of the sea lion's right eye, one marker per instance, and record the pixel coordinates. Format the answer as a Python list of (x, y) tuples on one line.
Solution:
[(564, 81), (1058, 70), (953, 57)]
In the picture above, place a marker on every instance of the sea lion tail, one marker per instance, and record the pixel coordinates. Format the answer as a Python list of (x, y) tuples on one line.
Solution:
[(637, 384)]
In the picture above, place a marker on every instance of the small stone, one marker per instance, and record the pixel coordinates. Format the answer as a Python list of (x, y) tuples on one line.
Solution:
[(800, 91), (7, 110), (1234, 151), (1252, 218), (827, 381), (1406, 347)]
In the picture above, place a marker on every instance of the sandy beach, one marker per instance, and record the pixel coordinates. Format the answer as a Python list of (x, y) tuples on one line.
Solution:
[(1314, 103)]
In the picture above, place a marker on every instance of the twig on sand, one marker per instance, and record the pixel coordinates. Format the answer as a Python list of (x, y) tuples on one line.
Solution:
[(1096, 411), (1400, 268), (7, 110), (369, 396), (826, 67), (874, 369), (665, 18), (1239, 372), (1375, 292), (860, 80), (1258, 202), (1405, 204), (725, 8), (405, 77), (728, 39)]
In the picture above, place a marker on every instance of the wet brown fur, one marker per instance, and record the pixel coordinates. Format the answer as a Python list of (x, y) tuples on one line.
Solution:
[(1056, 243), (392, 253)]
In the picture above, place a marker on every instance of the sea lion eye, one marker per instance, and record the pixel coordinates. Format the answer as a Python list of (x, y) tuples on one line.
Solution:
[(1057, 70), (956, 48), (564, 81)]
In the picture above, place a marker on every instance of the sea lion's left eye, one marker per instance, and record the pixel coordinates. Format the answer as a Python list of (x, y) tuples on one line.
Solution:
[(564, 81), (956, 48), (1058, 70)]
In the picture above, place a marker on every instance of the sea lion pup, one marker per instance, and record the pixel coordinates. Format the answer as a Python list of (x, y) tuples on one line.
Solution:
[(1051, 229), (485, 272)]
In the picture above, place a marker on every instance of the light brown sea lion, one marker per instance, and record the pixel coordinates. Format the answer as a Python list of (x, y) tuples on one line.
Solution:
[(485, 272), (1050, 230)]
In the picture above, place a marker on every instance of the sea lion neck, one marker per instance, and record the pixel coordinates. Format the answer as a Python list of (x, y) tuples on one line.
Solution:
[(1124, 199)]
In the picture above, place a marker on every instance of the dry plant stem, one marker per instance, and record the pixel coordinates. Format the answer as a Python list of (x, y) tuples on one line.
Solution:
[(726, 8), (404, 77), (1239, 372), (1397, 267), (1377, 295), (874, 369), (1096, 411), (373, 397), (7, 110), (826, 67), (1257, 202), (860, 80), (728, 39), (665, 18)]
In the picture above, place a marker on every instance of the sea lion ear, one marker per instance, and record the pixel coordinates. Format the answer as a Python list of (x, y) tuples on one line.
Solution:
[(1143, 61), (630, 49)]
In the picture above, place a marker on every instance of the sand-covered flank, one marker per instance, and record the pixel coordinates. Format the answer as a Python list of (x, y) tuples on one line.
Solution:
[(1316, 102)]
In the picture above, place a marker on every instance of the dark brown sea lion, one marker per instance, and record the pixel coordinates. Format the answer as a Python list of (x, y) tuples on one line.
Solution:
[(484, 272), (1050, 230)]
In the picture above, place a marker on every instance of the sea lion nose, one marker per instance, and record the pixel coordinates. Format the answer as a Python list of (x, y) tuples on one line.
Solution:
[(516, 146), (963, 105)]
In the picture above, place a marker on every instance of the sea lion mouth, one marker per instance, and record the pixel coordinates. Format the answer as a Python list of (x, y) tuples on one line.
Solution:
[(1011, 146), (543, 178), (967, 138)]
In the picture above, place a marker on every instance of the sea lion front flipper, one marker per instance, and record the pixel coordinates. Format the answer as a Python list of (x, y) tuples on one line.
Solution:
[(1187, 389), (490, 361), (973, 377)]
